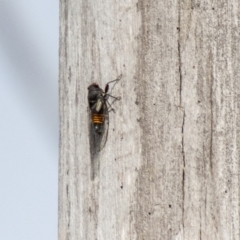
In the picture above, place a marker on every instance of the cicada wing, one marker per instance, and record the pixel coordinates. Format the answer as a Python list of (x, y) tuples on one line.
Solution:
[(98, 133), (92, 138), (93, 144), (104, 134)]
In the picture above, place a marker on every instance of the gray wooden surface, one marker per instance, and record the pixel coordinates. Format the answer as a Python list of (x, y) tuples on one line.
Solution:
[(170, 168)]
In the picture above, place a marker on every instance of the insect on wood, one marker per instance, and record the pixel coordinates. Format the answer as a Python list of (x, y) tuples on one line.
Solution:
[(100, 106)]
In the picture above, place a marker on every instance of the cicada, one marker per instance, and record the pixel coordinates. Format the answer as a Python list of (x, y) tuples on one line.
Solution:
[(100, 105)]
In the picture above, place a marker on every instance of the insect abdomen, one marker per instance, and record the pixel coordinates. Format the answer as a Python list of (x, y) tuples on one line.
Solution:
[(98, 118)]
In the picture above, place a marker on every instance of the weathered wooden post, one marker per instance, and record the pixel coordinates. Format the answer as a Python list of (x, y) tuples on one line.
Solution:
[(170, 168)]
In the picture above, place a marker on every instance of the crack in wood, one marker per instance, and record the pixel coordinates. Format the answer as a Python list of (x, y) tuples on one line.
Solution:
[(200, 230), (180, 70), (211, 107), (179, 55), (183, 172), (180, 100)]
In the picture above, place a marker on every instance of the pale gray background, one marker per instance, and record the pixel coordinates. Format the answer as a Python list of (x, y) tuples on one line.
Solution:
[(29, 119)]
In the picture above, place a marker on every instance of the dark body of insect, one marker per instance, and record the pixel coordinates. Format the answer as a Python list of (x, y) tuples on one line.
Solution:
[(98, 106), (99, 109)]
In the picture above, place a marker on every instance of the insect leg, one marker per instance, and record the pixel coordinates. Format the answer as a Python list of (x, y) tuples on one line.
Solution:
[(109, 107), (115, 98), (116, 80)]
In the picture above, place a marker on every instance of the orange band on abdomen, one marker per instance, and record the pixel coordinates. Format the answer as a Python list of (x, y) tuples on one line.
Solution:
[(98, 118)]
